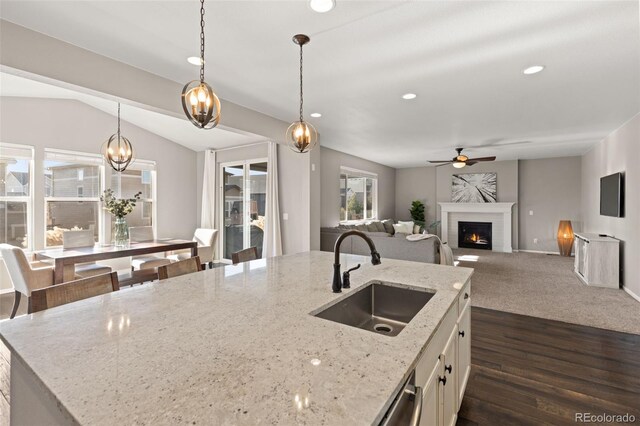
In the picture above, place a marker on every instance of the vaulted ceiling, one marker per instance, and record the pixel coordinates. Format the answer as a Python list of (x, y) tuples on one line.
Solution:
[(464, 60)]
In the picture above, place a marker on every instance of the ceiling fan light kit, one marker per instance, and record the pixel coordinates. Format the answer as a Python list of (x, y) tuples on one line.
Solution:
[(199, 102), (461, 160)]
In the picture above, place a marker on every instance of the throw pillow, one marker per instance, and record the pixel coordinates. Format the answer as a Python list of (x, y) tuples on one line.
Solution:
[(362, 228), (380, 226), (371, 227), (398, 229), (408, 226), (388, 226), (416, 229)]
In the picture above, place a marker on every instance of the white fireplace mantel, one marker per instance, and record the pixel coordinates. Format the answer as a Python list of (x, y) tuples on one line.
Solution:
[(504, 209)]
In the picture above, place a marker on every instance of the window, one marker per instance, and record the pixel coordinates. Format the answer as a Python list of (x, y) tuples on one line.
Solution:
[(358, 195), (139, 177), (73, 183), (16, 197)]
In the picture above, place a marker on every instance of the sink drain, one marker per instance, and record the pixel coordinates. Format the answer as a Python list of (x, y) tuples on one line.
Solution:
[(383, 328)]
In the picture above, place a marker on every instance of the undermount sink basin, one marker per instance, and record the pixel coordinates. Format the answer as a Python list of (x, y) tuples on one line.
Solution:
[(383, 308)]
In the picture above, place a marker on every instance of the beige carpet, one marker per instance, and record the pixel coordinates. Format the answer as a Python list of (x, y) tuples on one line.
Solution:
[(545, 286)]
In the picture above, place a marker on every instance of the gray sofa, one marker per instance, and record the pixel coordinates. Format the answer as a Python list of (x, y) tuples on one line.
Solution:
[(389, 246)]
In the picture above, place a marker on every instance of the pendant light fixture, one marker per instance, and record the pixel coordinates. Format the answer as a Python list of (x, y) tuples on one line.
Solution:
[(200, 103), (118, 151), (301, 136)]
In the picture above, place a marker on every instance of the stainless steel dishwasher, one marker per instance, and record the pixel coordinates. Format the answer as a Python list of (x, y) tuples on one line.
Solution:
[(407, 407)]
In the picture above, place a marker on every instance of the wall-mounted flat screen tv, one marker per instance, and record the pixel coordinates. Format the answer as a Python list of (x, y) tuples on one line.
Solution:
[(612, 195)]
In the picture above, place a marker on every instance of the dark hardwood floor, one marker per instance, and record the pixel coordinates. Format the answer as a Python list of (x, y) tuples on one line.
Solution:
[(533, 371)]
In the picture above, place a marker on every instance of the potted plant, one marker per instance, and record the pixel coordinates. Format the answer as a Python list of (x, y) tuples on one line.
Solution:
[(119, 207), (417, 212)]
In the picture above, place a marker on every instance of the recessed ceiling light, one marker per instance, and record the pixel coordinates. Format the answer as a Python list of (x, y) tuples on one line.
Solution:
[(194, 60), (322, 6), (533, 69), (316, 115), (409, 96)]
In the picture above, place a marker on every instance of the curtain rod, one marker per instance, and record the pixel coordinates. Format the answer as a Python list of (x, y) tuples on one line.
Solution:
[(238, 147)]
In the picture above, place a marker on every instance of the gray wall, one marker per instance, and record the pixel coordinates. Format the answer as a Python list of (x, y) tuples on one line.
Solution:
[(552, 189), (75, 126), (331, 161), (416, 183), (619, 152)]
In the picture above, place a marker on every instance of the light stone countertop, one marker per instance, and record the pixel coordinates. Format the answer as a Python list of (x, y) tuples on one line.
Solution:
[(231, 345)]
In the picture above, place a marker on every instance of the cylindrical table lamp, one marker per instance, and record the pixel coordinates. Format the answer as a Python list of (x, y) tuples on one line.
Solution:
[(565, 237)]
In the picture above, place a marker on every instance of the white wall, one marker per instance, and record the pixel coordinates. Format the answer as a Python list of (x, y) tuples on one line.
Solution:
[(552, 189), (618, 152), (331, 161)]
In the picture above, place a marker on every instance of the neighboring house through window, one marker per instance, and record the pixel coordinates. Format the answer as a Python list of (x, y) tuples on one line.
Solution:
[(358, 195), (16, 196), (140, 176), (73, 185)]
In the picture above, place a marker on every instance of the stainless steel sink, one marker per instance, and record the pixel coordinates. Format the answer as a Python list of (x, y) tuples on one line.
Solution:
[(380, 307)]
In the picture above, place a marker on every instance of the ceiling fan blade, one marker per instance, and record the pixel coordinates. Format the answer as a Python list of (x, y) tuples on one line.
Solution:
[(441, 161), (470, 163), (482, 159)]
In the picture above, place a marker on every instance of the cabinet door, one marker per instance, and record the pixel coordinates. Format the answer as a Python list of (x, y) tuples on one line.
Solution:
[(464, 351), (450, 387), (431, 399)]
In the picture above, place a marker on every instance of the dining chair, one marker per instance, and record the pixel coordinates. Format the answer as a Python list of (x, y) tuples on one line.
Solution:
[(141, 234), (206, 239), (79, 239), (26, 277), (84, 288), (244, 255), (181, 267)]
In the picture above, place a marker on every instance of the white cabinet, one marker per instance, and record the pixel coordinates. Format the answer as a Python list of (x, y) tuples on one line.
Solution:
[(444, 368), (597, 261), (449, 383), (464, 351)]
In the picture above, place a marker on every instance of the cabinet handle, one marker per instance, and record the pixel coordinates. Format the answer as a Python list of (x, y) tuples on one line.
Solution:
[(466, 296), (448, 368), (461, 333), (442, 380)]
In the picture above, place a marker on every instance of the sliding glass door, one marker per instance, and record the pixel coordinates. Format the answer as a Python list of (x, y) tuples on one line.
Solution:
[(244, 199)]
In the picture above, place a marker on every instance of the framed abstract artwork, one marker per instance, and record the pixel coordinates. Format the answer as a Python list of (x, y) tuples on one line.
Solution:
[(474, 188)]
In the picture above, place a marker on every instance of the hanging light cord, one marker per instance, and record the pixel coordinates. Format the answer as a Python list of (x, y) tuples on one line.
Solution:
[(301, 98), (118, 124), (201, 41)]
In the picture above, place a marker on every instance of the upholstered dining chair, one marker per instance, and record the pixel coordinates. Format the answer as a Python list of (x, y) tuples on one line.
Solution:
[(244, 255), (25, 277), (141, 234), (78, 239), (206, 239), (181, 267), (61, 294)]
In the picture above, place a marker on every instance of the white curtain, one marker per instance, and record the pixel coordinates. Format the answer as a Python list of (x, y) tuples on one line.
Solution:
[(207, 218), (272, 242)]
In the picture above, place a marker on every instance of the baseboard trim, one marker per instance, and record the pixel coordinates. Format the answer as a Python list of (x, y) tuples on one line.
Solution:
[(630, 293), (540, 252)]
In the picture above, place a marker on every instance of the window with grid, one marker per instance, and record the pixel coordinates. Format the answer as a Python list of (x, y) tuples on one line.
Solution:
[(140, 176), (358, 195), (73, 183), (16, 195)]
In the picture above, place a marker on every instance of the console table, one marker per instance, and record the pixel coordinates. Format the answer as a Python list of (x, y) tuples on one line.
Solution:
[(597, 260)]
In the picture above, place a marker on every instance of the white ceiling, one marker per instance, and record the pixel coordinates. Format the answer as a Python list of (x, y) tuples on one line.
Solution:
[(175, 129), (463, 59)]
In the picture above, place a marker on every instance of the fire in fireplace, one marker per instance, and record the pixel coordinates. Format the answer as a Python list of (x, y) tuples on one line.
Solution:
[(474, 235)]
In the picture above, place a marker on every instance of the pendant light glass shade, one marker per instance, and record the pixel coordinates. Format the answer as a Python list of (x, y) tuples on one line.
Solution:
[(301, 136), (117, 150), (199, 102)]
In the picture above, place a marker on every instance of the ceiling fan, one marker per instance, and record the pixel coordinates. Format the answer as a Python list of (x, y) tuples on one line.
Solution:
[(461, 160)]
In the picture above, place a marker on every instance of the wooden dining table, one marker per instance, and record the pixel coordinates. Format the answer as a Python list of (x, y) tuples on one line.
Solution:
[(63, 257)]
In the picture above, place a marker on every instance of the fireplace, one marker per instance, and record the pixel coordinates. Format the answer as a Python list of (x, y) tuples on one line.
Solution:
[(474, 235)]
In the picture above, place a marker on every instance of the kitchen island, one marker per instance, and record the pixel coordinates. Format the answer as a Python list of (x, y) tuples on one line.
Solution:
[(233, 345)]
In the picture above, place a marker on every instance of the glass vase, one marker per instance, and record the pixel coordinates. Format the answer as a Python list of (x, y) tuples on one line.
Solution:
[(120, 233)]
